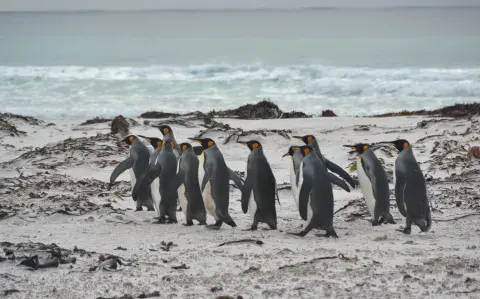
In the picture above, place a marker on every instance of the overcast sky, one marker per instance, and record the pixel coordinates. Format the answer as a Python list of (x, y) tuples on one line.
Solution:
[(213, 4)]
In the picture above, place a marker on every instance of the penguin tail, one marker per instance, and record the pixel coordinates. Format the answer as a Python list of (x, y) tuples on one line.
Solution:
[(422, 224), (228, 220)]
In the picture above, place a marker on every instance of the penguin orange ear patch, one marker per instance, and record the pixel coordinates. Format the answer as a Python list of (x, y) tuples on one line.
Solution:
[(159, 143), (294, 148), (165, 131), (365, 147), (309, 138), (306, 150), (405, 145), (210, 143), (131, 138), (184, 148), (255, 145)]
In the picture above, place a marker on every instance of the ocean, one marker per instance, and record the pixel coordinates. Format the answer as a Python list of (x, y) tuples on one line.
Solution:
[(78, 65)]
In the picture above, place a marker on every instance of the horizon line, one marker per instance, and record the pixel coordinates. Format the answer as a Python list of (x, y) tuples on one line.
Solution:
[(393, 7)]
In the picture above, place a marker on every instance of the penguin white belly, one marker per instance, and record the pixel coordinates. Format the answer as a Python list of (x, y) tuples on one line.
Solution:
[(155, 190), (201, 172), (252, 205), (208, 200), (393, 175), (182, 198), (133, 179), (366, 187), (309, 213), (293, 182)]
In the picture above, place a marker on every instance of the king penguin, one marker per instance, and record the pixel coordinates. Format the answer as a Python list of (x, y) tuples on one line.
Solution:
[(137, 162), (260, 188), (311, 141), (157, 144), (410, 188), (215, 186), (373, 183), (164, 168), (296, 160), (188, 186), (167, 133), (315, 197)]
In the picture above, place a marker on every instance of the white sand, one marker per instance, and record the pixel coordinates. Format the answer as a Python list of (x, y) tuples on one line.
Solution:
[(380, 262)]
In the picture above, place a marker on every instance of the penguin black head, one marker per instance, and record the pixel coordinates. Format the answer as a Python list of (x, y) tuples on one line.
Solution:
[(400, 144), (306, 139), (205, 142), (305, 150), (129, 139), (252, 144), (291, 150), (155, 142), (184, 146), (165, 129), (358, 148)]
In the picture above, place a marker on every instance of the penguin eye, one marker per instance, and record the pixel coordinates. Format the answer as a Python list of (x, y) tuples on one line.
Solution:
[(210, 143), (131, 138), (365, 147)]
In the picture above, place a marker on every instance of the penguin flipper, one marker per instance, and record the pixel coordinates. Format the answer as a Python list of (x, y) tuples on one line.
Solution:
[(276, 194), (206, 176), (337, 181), (235, 178), (400, 183), (121, 167), (246, 192), (197, 150), (338, 170), (304, 196), (145, 180), (177, 180)]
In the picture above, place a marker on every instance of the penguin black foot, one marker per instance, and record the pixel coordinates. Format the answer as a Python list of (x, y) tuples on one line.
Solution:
[(215, 226), (138, 209), (406, 230), (202, 223), (160, 221), (375, 222), (299, 234), (150, 209), (329, 233), (188, 223), (171, 221)]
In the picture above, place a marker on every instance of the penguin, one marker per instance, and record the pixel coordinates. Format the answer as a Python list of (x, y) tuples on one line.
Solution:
[(373, 183), (164, 168), (137, 162), (157, 144), (188, 186), (315, 195), (167, 133), (312, 141), (260, 188), (215, 186), (296, 160), (410, 188)]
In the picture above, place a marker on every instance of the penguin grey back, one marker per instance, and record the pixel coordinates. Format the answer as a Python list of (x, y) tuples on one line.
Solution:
[(409, 175), (189, 167)]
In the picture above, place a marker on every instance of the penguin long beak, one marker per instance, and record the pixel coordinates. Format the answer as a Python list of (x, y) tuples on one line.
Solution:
[(285, 155), (145, 137), (242, 142), (297, 137), (354, 148), (392, 143)]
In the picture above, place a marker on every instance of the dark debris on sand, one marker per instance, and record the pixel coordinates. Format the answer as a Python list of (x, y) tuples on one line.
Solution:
[(261, 110), (457, 110)]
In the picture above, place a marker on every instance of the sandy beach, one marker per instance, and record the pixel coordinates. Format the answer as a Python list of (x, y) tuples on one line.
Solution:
[(53, 190)]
